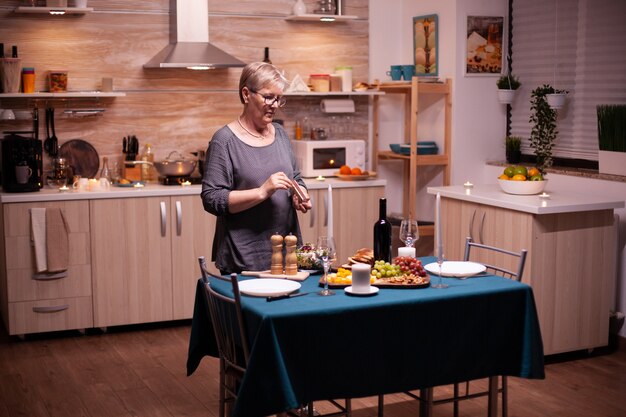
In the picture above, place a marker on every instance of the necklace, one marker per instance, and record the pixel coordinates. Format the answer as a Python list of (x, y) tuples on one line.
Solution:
[(261, 136)]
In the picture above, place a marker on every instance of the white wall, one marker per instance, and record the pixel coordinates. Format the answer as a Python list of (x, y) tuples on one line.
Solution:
[(478, 119)]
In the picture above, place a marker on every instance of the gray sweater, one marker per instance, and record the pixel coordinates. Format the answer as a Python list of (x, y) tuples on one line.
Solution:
[(242, 240)]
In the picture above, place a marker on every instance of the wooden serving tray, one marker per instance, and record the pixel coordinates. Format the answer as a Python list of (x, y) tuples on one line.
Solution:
[(379, 284)]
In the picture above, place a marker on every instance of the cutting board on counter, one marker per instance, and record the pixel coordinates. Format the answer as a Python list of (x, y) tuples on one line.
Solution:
[(300, 276)]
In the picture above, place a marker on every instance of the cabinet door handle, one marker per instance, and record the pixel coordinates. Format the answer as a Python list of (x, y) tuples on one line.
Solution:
[(46, 276), (163, 219), (471, 225), (51, 309), (480, 231), (179, 218), (312, 219)]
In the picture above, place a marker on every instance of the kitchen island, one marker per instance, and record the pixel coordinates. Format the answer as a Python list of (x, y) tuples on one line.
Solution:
[(572, 253), (133, 252)]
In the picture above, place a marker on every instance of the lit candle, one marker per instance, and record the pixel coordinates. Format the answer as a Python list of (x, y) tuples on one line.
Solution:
[(544, 196), (329, 214), (320, 178), (406, 251), (64, 188), (138, 185), (438, 240), (185, 183), (468, 184)]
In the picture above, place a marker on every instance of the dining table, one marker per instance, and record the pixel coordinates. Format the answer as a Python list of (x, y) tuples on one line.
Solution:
[(313, 347)]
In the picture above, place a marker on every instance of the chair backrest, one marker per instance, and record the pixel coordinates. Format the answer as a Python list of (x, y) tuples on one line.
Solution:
[(227, 319), (498, 270)]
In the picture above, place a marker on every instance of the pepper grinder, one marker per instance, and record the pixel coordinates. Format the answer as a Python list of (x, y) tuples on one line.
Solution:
[(277, 255), (291, 259)]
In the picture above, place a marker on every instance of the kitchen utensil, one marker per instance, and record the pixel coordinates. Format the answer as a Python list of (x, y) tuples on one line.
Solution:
[(54, 142), (36, 123), (81, 156), (46, 143), (177, 167), (282, 297)]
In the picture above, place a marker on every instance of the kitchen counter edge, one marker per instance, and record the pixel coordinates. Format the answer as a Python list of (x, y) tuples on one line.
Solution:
[(158, 190), (557, 202)]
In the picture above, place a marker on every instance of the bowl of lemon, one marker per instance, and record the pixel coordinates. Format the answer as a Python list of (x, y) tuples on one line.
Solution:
[(520, 180)]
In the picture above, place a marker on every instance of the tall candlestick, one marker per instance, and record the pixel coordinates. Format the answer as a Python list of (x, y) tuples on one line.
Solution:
[(329, 209), (438, 240)]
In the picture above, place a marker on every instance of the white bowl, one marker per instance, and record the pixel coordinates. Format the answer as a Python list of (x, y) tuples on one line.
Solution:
[(522, 187)]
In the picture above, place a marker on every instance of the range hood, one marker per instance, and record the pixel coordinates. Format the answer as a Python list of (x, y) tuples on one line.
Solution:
[(189, 45)]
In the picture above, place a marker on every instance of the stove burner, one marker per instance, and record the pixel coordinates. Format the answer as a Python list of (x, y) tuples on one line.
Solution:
[(179, 180)]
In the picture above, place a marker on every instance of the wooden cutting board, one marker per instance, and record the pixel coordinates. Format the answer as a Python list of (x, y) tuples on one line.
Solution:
[(300, 276)]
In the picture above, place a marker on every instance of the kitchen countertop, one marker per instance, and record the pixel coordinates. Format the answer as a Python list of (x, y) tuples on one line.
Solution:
[(558, 202), (157, 190)]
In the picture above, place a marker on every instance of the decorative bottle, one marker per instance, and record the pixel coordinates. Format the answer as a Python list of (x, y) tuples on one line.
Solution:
[(147, 170), (105, 172), (382, 234), (299, 8)]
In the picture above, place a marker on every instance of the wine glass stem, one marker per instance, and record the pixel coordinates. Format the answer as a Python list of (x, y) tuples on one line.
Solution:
[(325, 275)]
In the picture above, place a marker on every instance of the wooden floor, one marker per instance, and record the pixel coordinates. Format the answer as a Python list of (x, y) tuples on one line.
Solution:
[(140, 371)]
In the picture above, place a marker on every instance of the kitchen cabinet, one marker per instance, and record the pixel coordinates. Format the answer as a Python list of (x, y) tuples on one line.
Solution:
[(412, 162), (571, 263), (145, 254), (355, 210), (40, 302)]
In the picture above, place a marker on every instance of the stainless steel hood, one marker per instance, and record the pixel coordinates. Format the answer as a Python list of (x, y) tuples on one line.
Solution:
[(189, 45)]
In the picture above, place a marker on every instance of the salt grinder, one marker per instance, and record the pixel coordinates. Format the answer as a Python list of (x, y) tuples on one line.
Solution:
[(291, 260), (277, 255)]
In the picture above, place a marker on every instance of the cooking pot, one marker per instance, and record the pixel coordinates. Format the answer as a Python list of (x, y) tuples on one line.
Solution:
[(175, 167)]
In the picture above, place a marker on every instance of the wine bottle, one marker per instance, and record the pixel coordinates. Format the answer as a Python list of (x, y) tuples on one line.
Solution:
[(1, 50), (382, 234), (14, 51), (266, 57)]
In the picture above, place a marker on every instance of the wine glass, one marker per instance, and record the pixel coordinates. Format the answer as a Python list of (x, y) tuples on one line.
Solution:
[(409, 232), (326, 252), (440, 259)]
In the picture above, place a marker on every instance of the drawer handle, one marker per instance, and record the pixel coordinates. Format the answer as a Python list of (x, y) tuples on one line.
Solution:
[(480, 231), (51, 309), (163, 219), (471, 225), (45, 276), (179, 218), (312, 219)]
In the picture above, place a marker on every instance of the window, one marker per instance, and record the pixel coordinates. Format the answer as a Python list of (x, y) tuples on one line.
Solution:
[(573, 45)]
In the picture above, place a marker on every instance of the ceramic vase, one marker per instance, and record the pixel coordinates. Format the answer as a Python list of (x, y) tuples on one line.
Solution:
[(506, 96), (299, 8)]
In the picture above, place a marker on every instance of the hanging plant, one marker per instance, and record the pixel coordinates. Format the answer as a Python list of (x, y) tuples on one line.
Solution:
[(507, 85), (544, 133)]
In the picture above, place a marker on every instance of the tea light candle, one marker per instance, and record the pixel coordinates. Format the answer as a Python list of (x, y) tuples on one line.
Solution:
[(320, 178), (64, 189), (544, 196), (406, 251), (185, 183), (468, 185), (138, 185)]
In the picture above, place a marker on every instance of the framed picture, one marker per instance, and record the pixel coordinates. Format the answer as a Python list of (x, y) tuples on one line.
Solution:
[(426, 45), (484, 45)]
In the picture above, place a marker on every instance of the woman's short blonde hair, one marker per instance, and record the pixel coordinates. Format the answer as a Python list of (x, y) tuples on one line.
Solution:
[(258, 75)]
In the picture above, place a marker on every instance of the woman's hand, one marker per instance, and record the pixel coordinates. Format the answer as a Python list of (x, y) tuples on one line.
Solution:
[(276, 181), (301, 205)]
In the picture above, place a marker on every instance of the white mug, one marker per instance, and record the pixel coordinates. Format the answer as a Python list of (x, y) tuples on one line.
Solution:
[(22, 174), (81, 184), (361, 278)]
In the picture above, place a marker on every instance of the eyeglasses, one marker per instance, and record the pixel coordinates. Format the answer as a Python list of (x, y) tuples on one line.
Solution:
[(270, 99)]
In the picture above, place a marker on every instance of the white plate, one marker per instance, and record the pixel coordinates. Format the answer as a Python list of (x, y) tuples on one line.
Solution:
[(456, 268), (268, 287), (373, 290)]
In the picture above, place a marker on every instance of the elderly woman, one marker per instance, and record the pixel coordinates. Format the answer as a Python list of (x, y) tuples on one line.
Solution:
[(248, 176)]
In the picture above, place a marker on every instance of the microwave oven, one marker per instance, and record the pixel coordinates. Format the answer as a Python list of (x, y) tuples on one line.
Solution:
[(325, 157)]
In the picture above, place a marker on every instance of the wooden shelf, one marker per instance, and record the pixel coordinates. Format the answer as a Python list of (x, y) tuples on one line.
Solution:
[(412, 91), (321, 18), (71, 94), (48, 10), (335, 93)]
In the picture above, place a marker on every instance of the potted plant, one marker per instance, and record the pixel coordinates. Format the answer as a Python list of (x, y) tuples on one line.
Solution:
[(556, 99), (612, 138), (513, 149), (543, 133), (507, 85)]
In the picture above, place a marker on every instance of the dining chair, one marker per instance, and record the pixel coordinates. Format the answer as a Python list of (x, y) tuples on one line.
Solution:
[(230, 332), (426, 396)]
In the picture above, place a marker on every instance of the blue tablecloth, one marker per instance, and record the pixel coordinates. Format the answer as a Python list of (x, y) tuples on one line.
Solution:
[(311, 347)]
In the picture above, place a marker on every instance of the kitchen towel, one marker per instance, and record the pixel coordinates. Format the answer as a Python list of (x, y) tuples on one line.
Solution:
[(337, 106), (38, 237), (57, 241)]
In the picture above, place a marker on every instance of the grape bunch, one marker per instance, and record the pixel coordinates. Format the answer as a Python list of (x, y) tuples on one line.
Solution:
[(410, 266), (384, 269)]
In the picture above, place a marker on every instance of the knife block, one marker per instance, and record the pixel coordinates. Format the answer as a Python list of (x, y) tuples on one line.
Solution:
[(132, 173)]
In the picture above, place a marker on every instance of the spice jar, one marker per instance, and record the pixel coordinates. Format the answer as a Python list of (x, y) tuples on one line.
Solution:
[(28, 80), (320, 82)]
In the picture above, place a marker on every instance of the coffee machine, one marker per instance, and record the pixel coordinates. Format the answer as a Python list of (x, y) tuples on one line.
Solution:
[(22, 166)]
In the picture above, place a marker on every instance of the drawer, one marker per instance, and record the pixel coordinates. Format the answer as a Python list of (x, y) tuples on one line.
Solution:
[(26, 285), (50, 315)]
